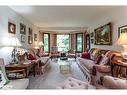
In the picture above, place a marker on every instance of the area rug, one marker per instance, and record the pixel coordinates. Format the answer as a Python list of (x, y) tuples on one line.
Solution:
[(52, 78)]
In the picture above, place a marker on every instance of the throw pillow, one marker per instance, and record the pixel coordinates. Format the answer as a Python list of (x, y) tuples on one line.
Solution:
[(85, 55), (104, 60), (93, 55), (30, 57), (3, 79), (98, 59)]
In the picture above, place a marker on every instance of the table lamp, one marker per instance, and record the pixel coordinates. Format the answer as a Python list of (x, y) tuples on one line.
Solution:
[(40, 45), (36, 45), (14, 43), (123, 41)]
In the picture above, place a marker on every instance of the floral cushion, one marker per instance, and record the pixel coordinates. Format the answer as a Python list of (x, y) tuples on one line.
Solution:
[(104, 60), (30, 57), (98, 60)]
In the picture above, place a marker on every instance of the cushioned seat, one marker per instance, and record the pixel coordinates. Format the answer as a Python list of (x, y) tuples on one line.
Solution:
[(71, 83), (114, 83), (17, 84), (87, 63)]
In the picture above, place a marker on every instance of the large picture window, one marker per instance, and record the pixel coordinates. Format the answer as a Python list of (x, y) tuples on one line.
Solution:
[(63, 42), (79, 42), (46, 38)]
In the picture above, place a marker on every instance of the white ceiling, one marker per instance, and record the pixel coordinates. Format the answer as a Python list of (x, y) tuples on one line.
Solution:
[(72, 18)]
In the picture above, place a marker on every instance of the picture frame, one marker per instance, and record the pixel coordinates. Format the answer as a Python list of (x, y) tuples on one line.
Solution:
[(30, 32), (22, 29), (103, 35), (92, 34), (11, 28), (92, 41), (35, 37), (23, 38), (122, 29), (30, 40), (87, 41)]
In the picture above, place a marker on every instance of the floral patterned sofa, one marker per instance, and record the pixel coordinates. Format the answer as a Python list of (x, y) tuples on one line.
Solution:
[(87, 65)]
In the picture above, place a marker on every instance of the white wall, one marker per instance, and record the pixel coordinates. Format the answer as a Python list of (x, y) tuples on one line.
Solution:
[(118, 18), (7, 14)]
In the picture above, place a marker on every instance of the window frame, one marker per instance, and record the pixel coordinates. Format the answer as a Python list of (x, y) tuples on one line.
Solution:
[(48, 42), (68, 39), (76, 42)]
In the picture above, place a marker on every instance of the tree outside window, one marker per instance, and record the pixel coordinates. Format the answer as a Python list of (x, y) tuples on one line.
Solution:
[(63, 43), (79, 42), (46, 42)]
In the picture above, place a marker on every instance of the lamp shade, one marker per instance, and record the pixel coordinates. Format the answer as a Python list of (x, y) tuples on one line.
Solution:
[(122, 39), (15, 42), (40, 43)]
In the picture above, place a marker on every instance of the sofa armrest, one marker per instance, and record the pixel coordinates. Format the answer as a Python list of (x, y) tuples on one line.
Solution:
[(103, 68)]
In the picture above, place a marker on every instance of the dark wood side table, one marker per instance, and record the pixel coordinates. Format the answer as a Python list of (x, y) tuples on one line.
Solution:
[(27, 67), (119, 66), (22, 71)]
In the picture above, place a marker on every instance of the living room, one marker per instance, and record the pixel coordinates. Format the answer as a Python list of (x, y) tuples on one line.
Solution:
[(53, 40)]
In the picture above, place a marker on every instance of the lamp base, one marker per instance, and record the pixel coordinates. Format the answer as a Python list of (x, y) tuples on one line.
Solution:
[(13, 62)]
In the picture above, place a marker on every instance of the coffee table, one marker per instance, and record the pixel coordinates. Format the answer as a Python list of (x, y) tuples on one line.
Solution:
[(64, 66)]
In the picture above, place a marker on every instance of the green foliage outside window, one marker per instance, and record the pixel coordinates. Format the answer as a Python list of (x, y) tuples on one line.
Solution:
[(46, 43), (63, 42), (79, 43)]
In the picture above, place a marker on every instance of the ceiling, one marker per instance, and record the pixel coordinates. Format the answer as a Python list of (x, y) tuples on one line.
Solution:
[(62, 18)]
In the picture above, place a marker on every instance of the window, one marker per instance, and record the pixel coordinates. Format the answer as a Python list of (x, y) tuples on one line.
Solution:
[(46, 42), (63, 42), (79, 42)]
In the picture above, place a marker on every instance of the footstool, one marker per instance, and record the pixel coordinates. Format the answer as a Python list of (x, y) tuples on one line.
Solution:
[(114, 83), (71, 83)]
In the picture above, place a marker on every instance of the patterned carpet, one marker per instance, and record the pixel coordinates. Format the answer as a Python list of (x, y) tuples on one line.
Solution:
[(53, 77)]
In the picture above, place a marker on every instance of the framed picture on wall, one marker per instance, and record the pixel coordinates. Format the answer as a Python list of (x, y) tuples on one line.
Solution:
[(35, 37), (22, 29), (122, 29), (92, 41), (30, 32), (11, 28), (92, 34), (30, 40), (23, 38), (103, 35)]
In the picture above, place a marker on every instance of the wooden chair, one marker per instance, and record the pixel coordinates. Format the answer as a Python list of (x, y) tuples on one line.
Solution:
[(54, 52)]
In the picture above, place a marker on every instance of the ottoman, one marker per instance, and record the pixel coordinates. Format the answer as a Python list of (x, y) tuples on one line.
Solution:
[(71, 83), (114, 83)]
